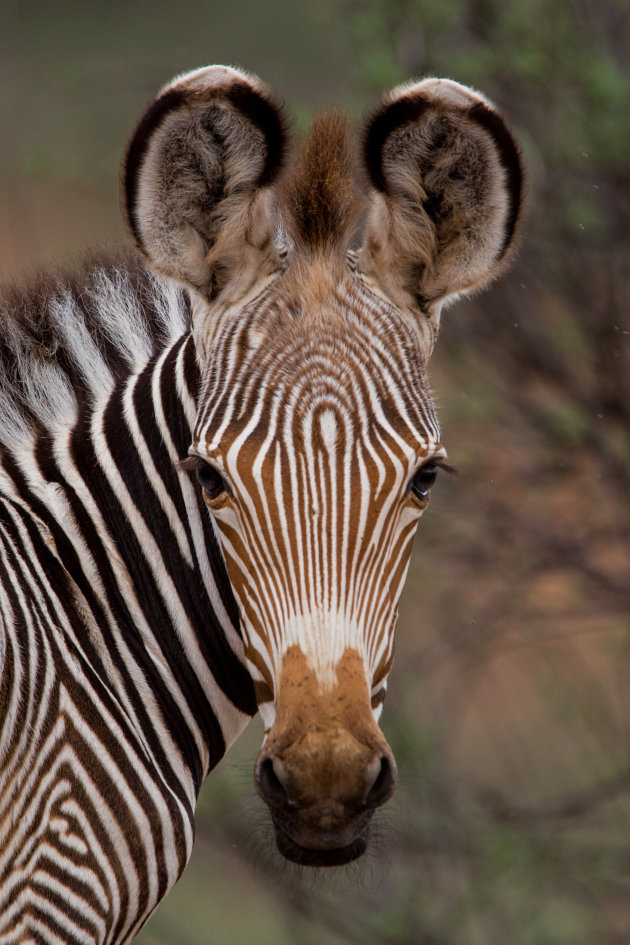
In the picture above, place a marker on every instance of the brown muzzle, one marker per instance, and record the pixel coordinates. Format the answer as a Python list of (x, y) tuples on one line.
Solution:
[(325, 766)]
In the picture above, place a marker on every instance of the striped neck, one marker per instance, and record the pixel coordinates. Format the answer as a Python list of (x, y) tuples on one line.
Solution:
[(151, 605)]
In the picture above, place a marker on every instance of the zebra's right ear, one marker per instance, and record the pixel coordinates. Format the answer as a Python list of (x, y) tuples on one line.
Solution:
[(197, 180)]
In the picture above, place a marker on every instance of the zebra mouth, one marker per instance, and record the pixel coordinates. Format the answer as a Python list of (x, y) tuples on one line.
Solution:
[(338, 856)]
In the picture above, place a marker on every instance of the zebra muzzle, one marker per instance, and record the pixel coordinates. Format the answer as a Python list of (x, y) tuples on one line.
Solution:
[(324, 769)]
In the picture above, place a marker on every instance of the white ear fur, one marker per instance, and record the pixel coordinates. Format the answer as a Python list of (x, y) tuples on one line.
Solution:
[(198, 180), (446, 196)]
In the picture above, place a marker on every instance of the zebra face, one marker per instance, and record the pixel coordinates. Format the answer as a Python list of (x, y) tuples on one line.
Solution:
[(314, 432), (315, 447), (316, 443)]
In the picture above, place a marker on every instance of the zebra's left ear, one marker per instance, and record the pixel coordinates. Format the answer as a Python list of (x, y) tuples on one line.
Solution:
[(197, 180), (446, 196)]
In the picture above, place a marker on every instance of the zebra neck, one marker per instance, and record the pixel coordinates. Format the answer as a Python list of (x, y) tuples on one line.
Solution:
[(153, 609)]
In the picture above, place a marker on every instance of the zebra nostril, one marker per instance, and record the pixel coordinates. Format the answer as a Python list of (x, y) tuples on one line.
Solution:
[(269, 785), (383, 785)]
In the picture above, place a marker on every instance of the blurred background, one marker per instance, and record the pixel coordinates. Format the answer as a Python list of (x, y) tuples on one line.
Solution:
[(509, 704)]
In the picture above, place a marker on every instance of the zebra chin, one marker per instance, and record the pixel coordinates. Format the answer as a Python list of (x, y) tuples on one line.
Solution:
[(328, 854)]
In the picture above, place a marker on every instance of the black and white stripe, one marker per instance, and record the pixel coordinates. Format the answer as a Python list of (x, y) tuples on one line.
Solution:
[(122, 677)]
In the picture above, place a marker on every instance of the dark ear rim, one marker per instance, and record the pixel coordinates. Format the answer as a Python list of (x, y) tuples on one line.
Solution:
[(133, 159), (386, 118), (511, 161), (390, 115), (256, 105)]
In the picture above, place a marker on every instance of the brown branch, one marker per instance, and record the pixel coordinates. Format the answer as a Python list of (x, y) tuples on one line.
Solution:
[(570, 806)]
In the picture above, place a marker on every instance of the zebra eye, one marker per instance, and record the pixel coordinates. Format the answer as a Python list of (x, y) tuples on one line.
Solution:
[(423, 480), (210, 480)]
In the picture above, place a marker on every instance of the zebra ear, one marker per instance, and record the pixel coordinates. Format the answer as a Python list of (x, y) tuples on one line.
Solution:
[(446, 195), (197, 180)]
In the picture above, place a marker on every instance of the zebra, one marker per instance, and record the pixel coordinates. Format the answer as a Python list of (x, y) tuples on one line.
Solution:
[(216, 448)]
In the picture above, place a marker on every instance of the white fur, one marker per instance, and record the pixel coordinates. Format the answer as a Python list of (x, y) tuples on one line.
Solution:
[(37, 382)]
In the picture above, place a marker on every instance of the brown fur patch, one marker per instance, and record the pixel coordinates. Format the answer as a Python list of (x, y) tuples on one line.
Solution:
[(325, 738), (319, 195)]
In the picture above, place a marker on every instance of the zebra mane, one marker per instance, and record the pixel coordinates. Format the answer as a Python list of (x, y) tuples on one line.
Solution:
[(66, 339)]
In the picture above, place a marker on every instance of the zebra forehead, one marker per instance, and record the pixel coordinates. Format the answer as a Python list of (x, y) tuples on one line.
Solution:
[(347, 355)]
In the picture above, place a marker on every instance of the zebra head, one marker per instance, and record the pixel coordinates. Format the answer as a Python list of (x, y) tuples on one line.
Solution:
[(316, 442)]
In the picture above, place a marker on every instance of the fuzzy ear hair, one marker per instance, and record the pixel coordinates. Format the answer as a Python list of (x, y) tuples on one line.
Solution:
[(446, 194), (197, 179)]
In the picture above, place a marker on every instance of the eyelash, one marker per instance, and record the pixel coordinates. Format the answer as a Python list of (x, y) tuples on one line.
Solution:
[(425, 477), (207, 476)]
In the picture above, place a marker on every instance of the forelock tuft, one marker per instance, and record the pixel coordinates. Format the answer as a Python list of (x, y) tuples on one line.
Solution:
[(319, 195)]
